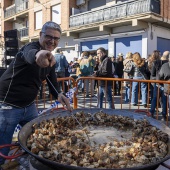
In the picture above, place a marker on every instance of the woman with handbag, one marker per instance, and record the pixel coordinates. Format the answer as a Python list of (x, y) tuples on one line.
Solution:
[(140, 72), (127, 69)]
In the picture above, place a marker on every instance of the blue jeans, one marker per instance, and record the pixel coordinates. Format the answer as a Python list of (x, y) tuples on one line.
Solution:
[(79, 83), (86, 85), (151, 91), (135, 91), (9, 119), (154, 100), (108, 94), (127, 93)]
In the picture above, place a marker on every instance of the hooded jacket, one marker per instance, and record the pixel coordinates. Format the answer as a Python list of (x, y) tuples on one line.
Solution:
[(105, 70), (164, 74)]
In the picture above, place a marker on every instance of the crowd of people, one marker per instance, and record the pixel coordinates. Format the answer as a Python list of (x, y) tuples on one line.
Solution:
[(147, 69), (130, 66)]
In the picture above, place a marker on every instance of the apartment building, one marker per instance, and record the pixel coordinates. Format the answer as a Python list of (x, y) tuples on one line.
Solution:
[(28, 16), (121, 25), (117, 25)]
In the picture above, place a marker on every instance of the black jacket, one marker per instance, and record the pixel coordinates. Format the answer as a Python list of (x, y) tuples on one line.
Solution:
[(21, 81), (105, 70), (142, 71), (119, 68), (164, 74), (156, 66)]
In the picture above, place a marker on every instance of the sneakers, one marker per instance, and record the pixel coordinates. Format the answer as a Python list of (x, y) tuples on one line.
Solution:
[(127, 100), (152, 115), (144, 105), (164, 118)]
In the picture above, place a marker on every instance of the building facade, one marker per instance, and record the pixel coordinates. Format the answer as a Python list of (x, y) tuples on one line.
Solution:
[(121, 26), (117, 25)]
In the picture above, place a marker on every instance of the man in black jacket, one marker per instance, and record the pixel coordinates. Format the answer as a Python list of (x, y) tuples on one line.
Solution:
[(164, 74), (20, 83), (155, 76), (105, 70)]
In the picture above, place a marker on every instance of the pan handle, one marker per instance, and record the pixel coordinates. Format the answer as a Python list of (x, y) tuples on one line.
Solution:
[(147, 112), (13, 156)]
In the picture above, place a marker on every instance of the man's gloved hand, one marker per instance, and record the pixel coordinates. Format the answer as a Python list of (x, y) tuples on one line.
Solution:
[(64, 101), (45, 58)]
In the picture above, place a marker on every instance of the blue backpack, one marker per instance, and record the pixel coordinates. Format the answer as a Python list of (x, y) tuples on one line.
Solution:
[(85, 70)]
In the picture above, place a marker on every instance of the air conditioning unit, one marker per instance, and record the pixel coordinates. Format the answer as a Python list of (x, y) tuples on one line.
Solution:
[(75, 11), (80, 2)]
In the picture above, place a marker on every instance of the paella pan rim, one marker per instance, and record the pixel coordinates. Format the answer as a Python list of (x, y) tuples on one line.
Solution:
[(26, 131)]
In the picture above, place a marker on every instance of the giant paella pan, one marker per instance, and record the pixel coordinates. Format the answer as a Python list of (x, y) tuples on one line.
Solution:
[(95, 139)]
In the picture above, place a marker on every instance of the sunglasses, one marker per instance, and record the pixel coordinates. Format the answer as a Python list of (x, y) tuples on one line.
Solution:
[(49, 37)]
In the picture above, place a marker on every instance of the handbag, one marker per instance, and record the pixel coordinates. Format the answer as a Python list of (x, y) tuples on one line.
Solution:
[(144, 76), (129, 68)]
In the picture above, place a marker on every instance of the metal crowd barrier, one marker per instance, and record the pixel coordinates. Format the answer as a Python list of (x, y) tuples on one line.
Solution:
[(80, 100), (44, 98)]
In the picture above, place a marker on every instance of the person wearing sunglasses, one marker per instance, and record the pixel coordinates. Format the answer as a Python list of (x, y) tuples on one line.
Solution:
[(20, 83)]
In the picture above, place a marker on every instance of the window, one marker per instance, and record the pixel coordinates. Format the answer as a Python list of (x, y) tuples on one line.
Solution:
[(95, 4), (56, 14), (38, 20)]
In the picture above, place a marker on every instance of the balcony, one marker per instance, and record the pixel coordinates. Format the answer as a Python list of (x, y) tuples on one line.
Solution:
[(23, 32), (22, 6), (10, 11), (15, 9), (117, 11)]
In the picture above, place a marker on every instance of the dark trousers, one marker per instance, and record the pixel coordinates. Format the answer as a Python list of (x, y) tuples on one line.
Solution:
[(65, 88)]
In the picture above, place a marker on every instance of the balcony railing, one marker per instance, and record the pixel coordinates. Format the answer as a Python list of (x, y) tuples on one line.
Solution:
[(23, 32), (14, 9), (10, 11), (22, 6), (117, 11)]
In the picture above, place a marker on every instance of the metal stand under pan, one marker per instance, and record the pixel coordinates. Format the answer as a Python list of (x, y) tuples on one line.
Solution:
[(34, 164)]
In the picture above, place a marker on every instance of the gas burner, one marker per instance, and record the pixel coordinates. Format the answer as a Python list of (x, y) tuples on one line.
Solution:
[(34, 164)]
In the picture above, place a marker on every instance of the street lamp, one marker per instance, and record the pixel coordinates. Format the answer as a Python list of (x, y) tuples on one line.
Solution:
[(55, 11), (41, 4)]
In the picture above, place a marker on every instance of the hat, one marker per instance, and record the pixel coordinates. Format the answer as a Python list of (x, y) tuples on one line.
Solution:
[(58, 51), (120, 54)]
